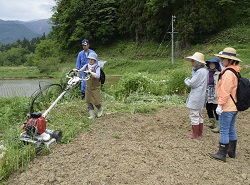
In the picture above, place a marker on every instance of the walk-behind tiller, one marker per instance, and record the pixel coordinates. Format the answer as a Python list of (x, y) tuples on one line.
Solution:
[(34, 130)]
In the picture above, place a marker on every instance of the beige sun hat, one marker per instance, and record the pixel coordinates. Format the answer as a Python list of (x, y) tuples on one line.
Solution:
[(197, 56), (229, 53)]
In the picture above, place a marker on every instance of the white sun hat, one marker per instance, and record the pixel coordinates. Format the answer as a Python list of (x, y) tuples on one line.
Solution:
[(197, 56), (92, 55)]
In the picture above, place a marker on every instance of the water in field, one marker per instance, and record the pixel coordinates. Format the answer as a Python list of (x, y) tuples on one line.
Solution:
[(26, 87), (112, 80)]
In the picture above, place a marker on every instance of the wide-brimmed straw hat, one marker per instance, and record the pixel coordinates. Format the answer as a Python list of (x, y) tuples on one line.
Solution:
[(229, 53), (197, 56)]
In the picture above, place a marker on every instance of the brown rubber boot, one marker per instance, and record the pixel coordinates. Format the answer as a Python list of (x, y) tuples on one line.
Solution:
[(200, 129), (232, 148), (195, 132), (221, 154)]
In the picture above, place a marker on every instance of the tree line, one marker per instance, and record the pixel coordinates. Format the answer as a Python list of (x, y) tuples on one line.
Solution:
[(19, 52), (103, 21)]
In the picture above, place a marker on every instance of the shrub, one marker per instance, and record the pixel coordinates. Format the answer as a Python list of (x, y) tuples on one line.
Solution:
[(159, 85), (48, 65), (130, 83), (176, 83)]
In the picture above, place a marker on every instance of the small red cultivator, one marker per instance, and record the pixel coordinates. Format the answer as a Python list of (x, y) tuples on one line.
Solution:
[(35, 130)]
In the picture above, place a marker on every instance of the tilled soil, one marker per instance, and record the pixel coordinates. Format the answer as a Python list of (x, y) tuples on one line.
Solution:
[(141, 149)]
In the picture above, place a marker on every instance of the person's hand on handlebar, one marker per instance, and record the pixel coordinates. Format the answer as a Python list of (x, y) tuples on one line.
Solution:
[(87, 72)]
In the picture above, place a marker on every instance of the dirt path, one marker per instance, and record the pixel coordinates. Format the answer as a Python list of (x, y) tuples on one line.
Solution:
[(141, 149)]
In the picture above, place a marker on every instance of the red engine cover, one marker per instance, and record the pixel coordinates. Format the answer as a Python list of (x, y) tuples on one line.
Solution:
[(40, 123)]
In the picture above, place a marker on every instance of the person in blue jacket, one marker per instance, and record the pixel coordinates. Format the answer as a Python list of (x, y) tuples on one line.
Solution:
[(81, 61)]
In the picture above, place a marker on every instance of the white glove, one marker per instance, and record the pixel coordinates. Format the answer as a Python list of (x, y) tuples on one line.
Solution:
[(93, 74), (186, 80), (87, 72), (219, 110)]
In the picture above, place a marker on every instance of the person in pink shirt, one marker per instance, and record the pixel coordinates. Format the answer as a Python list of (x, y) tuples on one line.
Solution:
[(226, 108)]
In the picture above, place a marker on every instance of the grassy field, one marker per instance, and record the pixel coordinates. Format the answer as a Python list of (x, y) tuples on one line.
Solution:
[(149, 81), (126, 57), (9, 72)]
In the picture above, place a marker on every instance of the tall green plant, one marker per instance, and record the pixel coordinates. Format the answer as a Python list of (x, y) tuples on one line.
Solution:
[(13, 113), (176, 83), (158, 85)]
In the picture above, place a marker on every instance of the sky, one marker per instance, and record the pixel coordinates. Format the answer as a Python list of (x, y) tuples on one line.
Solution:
[(26, 10)]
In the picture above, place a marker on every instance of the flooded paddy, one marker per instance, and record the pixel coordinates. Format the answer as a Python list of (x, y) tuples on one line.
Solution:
[(26, 87), (21, 87)]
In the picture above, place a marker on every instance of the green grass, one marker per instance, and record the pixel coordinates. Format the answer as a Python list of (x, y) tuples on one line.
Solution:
[(19, 72), (69, 116), (8, 72), (158, 83), (125, 56)]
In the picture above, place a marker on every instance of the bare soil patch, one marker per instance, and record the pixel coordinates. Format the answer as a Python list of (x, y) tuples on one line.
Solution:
[(141, 149)]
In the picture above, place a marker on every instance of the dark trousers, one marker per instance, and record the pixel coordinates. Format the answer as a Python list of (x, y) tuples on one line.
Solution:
[(91, 106), (211, 110)]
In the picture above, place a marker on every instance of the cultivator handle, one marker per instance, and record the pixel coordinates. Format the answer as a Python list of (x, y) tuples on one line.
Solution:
[(69, 74), (73, 80)]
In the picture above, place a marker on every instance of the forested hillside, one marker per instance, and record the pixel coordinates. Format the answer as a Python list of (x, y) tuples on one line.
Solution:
[(107, 22), (11, 31), (103, 22), (42, 26)]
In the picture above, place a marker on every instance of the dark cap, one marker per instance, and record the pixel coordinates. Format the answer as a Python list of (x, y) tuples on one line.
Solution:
[(85, 42)]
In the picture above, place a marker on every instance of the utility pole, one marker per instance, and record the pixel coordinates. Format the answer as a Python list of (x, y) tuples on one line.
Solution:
[(172, 35)]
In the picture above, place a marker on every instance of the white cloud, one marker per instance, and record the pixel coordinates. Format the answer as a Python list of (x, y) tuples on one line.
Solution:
[(25, 10)]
